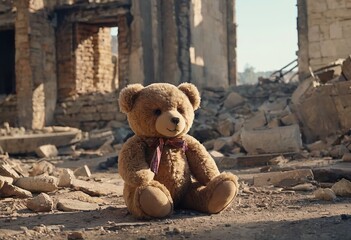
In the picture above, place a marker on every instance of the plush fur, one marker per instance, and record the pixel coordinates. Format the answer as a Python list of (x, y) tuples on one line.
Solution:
[(187, 178)]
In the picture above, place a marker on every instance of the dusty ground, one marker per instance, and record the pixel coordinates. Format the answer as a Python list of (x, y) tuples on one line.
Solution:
[(257, 213)]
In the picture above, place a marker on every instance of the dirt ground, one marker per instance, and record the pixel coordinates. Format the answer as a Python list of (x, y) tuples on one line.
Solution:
[(257, 213)]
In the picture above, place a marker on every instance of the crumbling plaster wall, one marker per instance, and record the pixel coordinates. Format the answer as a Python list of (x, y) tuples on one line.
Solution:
[(324, 32)]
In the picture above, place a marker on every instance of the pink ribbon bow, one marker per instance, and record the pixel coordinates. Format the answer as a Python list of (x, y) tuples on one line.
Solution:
[(173, 142)]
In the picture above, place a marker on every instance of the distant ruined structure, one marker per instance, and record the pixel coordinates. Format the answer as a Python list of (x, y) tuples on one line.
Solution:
[(57, 65), (324, 33)]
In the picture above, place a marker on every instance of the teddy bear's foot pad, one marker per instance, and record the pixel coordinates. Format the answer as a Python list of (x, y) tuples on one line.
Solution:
[(155, 203), (222, 196)]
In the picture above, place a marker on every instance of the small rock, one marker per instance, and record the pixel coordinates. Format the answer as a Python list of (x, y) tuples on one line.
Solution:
[(304, 187), (38, 183), (66, 178), (7, 171), (75, 236), (82, 171), (233, 100), (47, 151), (338, 151), (216, 154), (5, 179), (346, 157), (324, 194), (71, 205), (41, 203), (41, 168), (9, 190), (342, 188)]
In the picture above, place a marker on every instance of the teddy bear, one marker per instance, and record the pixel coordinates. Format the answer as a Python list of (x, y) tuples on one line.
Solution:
[(162, 166)]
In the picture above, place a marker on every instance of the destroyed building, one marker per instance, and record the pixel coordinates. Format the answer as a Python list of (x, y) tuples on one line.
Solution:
[(58, 68)]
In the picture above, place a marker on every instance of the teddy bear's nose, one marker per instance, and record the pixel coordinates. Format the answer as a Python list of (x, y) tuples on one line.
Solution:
[(175, 120)]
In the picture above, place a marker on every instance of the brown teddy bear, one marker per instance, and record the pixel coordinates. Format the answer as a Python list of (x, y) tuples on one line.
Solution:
[(161, 165)]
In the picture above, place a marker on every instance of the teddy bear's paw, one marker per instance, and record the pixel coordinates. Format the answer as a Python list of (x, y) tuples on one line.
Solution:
[(222, 196), (155, 203)]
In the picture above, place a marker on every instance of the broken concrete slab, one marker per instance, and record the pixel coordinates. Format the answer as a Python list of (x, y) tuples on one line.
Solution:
[(323, 110), (342, 188), (30, 142), (38, 183), (78, 195), (9, 190), (96, 189), (71, 205), (41, 203), (276, 140), (283, 179), (46, 151)]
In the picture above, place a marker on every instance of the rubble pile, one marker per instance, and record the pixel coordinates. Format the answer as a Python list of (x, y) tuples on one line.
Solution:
[(312, 117), (47, 188)]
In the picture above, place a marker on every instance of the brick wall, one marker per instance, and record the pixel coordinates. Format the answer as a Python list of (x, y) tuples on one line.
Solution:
[(328, 32), (89, 111)]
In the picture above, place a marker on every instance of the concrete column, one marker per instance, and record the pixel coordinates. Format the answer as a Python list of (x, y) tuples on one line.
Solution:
[(302, 29), (35, 65)]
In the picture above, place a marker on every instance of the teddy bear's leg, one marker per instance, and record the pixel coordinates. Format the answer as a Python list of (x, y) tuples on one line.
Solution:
[(149, 201), (215, 196)]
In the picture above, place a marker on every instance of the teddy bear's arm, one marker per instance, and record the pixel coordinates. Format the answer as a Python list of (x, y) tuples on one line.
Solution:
[(132, 165), (202, 165)]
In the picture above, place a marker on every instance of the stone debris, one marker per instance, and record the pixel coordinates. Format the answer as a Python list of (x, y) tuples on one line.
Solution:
[(78, 195), (324, 194), (7, 171), (275, 140), (41, 203), (38, 183), (66, 178), (83, 171), (71, 205), (29, 140), (4, 179), (342, 188), (96, 189), (9, 190), (283, 179), (41, 167), (47, 151), (346, 157)]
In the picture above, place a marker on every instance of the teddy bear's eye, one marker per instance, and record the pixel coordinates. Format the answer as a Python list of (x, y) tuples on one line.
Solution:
[(157, 112), (180, 110)]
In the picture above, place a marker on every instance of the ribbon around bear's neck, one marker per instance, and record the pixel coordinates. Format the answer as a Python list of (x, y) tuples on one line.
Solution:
[(173, 142)]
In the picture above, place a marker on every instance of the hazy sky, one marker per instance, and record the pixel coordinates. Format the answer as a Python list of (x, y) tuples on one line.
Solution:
[(266, 33)]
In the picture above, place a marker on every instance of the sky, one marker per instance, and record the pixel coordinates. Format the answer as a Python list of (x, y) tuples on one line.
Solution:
[(266, 33)]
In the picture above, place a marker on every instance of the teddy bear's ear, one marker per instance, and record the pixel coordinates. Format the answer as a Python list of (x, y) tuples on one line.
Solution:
[(127, 97), (192, 93)]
